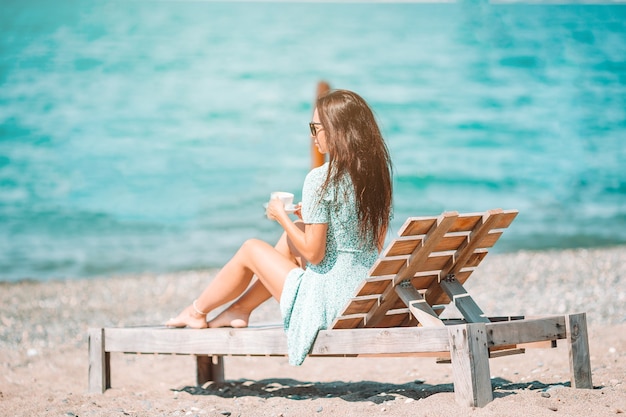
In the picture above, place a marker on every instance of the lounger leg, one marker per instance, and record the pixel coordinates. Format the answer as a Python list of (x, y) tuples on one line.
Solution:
[(99, 363), (470, 364), (578, 343), (209, 368)]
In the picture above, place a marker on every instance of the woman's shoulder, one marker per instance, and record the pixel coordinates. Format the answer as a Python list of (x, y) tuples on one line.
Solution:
[(322, 169), (318, 174)]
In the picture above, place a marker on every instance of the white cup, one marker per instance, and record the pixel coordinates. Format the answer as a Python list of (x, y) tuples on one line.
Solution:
[(285, 197)]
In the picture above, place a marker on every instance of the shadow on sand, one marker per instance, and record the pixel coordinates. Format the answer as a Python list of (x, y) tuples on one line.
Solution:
[(377, 392)]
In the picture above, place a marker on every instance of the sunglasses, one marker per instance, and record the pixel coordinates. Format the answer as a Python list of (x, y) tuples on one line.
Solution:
[(313, 128)]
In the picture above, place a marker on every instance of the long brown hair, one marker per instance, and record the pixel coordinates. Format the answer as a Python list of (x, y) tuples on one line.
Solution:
[(356, 147)]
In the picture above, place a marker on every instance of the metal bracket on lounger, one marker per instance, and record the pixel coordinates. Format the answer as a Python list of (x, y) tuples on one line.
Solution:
[(405, 283)]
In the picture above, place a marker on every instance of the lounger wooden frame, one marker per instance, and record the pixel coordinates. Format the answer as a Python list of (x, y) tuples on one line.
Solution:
[(394, 313)]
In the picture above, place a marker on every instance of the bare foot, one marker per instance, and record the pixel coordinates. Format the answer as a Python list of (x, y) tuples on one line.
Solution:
[(188, 318), (231, 317)]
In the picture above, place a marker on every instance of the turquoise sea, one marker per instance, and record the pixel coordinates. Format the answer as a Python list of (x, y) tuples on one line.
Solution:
[(146, 135)]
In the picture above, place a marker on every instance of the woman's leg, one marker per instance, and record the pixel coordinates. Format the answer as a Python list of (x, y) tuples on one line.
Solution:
[(255, 257), (238, 313)]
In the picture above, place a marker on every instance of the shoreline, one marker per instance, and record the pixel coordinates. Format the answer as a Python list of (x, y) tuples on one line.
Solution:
[(43, 350), (212, 269), (499, 250)]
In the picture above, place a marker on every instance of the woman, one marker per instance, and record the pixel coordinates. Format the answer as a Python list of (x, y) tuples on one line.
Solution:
[(317, 264)]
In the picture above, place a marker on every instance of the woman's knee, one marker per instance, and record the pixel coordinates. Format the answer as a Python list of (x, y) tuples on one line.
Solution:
[(253, 245)]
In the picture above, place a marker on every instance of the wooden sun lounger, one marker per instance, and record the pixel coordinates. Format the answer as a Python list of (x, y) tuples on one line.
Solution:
[(395, 312)]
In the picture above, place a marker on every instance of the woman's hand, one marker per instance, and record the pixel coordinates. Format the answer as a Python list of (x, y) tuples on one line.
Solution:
[(310, 242), (298, 210), (275, 209)]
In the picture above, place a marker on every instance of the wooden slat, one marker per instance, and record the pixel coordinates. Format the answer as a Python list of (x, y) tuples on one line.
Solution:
[(373, 285), (393, 320), (505, 219), (491, 238), (492, 354), (475, 258), (506, 352), (466, 222), (402, 310), (395, 317), (389, 265), (450, 242), (403, 245), (223, 341), (524, 331), (423, 281), (381, 341), (398, 304), (361, 304), (349, 322), (544, 344), (434, 262), (414, 226), (409, 355)]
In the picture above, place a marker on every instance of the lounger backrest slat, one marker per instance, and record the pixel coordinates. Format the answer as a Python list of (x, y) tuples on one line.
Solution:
[(427, 250)]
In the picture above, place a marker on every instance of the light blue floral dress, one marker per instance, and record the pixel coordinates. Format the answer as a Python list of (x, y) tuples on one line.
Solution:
[(312, 298)]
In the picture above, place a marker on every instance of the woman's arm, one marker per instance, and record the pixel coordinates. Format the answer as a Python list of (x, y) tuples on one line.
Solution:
[(311, 243)]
